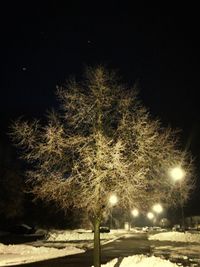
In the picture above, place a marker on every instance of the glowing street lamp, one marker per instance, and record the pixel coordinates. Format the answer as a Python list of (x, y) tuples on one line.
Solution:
[(177, 174), (157, 208), (135, 212), (113, 199), (150, 215)]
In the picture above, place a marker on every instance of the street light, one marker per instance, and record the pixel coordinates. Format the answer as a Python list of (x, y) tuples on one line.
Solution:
[(178, 174), (113, 199), (150, 215), (135, 212), (157, 208)]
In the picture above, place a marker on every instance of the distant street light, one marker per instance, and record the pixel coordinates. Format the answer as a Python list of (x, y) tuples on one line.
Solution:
[(113, 199), (135, 212), (178, 174), (157, 208), (150, 215)]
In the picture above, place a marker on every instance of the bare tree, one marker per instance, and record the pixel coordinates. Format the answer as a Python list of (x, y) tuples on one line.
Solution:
[(102, 141)]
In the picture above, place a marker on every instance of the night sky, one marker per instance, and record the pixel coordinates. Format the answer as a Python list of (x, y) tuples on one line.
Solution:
[(43, 44)]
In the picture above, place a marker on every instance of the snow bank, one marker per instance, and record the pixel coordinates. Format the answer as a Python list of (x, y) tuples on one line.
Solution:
[(16, 254), (176, 237), (140, 261), (76, 235)]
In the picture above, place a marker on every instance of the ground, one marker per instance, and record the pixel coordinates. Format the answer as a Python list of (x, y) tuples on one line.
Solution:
[(61, 243)]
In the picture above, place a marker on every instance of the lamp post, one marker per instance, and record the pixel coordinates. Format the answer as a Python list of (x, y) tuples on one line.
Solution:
[(113, 199), (150, 216), (157, 208), (178, 174), (135, 213)]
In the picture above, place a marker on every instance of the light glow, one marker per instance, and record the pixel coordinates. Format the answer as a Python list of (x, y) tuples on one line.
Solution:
[(113, 199), (150, 215), (157, 208), (177, 173), (135, 212)]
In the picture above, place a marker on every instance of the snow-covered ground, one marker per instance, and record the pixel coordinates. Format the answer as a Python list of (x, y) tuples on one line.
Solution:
[(176, 237), (140, 261), (36, 251), (187, 250), (18, 254), (79, 234)]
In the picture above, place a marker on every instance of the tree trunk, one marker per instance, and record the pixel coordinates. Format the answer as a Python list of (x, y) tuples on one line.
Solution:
[(97, 247)]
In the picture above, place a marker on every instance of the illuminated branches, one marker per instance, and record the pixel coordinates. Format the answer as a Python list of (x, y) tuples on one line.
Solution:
[(102, 141)]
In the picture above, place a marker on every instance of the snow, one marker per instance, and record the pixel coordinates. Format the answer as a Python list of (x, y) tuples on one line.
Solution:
[(16, 254), (176, 237), (187, 250), (140, 261), (77, 235)]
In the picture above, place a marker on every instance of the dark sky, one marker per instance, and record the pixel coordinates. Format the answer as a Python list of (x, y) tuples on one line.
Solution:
[(42, 44)]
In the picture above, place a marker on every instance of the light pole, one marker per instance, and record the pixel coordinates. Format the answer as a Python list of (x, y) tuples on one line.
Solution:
[(150, 216), (113, 199), (157, 208), (135, 213), (178, 174)]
